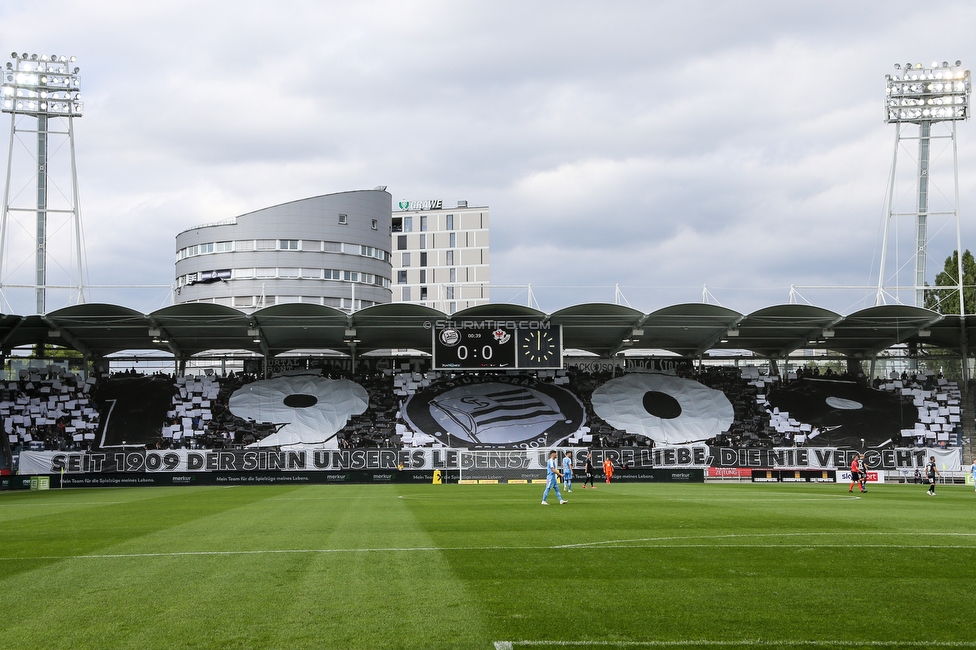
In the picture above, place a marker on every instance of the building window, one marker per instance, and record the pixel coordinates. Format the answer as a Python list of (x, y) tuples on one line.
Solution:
[(423, 275), (243, 301), (453, 240), (449, 293), (423, 223), (423, 293), (452, 307), (242, 274), (375, 224), (452, 275), (405, 294), (288, 244), (449, 258), (224, 247), (331, 247), (404, 259), (335, 303), (401, 277), (408, 224), (206, 248), (265, 244), (244, 245), (423, 241), (343, 220), (350, 276), (265, 273), (449, 222), (423, 259), (401, 242), (291, 274)]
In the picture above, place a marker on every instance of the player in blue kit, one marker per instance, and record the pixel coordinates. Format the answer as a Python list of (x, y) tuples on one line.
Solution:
[(568, 471), (552, 471)]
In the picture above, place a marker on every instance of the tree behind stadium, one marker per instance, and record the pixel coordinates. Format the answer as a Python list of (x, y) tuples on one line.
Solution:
[(947, 302)]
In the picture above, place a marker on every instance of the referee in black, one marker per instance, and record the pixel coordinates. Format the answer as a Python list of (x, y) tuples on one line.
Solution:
[(588, 472), (931, 471)]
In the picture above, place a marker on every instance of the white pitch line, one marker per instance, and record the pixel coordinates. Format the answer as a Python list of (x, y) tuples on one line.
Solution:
[(445, 549), (63, 504), (510, 645), (615, 543)]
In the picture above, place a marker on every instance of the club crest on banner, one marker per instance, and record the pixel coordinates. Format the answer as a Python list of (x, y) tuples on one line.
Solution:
[(498, 411)]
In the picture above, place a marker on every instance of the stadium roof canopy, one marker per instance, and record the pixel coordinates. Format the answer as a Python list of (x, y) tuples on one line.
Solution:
[(604, 329)]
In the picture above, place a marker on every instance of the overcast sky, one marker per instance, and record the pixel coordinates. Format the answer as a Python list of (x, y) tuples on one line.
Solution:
[(660, 146)]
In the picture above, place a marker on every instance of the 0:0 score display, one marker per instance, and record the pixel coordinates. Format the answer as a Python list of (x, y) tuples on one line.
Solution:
[(474, 348), (460, 346)]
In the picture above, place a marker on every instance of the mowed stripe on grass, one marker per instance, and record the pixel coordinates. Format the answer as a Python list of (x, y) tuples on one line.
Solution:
[(463, 566)]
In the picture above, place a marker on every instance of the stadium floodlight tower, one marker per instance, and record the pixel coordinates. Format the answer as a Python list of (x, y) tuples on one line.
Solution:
[(42, 87), (923, 96)]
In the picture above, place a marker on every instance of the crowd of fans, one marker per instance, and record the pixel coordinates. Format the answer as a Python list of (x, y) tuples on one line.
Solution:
[(48, 408), (53, 409)]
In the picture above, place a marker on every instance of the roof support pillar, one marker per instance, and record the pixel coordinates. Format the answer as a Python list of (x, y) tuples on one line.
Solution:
[(964, 352)]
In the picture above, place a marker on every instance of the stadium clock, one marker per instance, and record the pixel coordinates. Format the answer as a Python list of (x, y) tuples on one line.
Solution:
[(539, 348)]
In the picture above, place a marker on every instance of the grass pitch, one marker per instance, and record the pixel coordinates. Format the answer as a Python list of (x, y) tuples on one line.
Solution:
[(485, 567)]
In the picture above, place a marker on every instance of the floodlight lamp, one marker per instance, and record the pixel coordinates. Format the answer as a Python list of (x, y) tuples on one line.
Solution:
[(72, 59), (958, 63), (897, 66), (945, 64)]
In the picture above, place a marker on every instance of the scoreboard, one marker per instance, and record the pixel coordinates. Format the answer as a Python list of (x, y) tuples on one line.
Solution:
[(475, 345)]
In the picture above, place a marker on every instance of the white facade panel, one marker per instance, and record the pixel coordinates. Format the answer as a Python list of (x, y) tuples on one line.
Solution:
[(440, 255)]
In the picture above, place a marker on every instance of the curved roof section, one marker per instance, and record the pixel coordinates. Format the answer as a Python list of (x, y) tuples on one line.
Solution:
[(498, 310), (686, 329), (195, 327), (868, 331), (98, 328), (599, 328), (395, 326), (602, 328), (233, 220), (288, 327), (779, 330)]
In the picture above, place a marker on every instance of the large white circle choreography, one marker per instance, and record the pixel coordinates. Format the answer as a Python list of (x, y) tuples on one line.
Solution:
[(311, 407), (667, 409)]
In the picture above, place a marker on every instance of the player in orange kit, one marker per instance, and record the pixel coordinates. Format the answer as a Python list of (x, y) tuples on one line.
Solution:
[(607, 469), (855, 473)]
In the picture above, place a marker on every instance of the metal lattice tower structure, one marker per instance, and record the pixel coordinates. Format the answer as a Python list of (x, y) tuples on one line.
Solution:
[(922, 96), (43, 87)]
